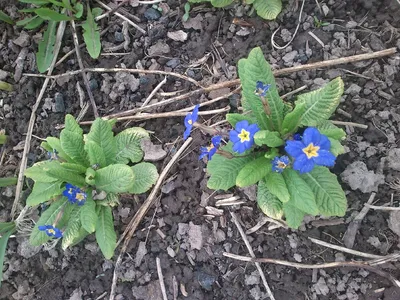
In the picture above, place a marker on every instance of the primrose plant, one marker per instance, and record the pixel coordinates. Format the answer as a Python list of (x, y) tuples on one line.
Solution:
[(285, 150), (82, 181), (267, 9)]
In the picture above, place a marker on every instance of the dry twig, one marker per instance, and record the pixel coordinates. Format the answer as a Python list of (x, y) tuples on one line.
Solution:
[(139, 215), (251, 252), (161, 279)]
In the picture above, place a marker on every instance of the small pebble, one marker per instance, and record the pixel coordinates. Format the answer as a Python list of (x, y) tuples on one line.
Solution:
[(93, 84), (119, 37), (59, 105), (152, 14)]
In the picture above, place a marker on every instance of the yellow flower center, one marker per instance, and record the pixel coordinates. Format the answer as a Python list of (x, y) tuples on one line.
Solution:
[(244, 136), (281, 165), (80, 196), (51, 231), (190, 122), (311, 150)]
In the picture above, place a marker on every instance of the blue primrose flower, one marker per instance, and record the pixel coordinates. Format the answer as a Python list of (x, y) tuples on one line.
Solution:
[(297, 137), (242, 136), (280, 163), (313, 149), (51, 231), (74, 194), (189, 121), (212, 149), (261, 89)]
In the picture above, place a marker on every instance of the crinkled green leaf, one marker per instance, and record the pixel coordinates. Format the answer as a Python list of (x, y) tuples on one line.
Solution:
[(145, 176), (91, 34), (270, 138), (268, 203), (301, 195), (73, 168), (96, 154), (88, 215), (66, 175), (48, 217), (101, 133), (268, 9), (253, 172), (115, 178), (38, 172), (329, 195), (331, 130), (336, 147), (221, 3), (292, 120), (73, 227), (321, 104), (72, 125), (128, 145), (293, 215), (235, 118), (73, 146), (256, 68), (80, 236), (44, 191), (45, 53), (277, 186), (224, 170), (51, 15), (105, 234), (55, 144)]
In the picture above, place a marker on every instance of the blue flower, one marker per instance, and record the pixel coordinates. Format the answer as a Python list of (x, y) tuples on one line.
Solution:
[(261, 89), (74, 194), (189, 121), (280, 163), (242, 136), (297, 137), (212, 149), (314, 149), (51, 231)]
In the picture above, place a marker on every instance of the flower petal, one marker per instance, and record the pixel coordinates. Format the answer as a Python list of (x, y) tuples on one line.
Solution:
[(324, 143), (203, 153), (216, 140), (253, 128), (294, 148), (241, 125), (311, 135), (239, 147), (195, 113), (325, 158), (234, 136), (187, 133), (42, 227), (211, 153), (187, 119), (303, 164)]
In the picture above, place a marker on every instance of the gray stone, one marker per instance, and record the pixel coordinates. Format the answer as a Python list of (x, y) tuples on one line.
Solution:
[(357, 176), (3, 75), (152, 291), (353, 90), (152, 14), (195, 236), (23, 40), (173, 63), (321, 288), (152, 152), (119, 37), (26, 250), (252, 279), (289, 57), (394, 221), (159, 48), (59, 105), (76, 294), (393, 159)]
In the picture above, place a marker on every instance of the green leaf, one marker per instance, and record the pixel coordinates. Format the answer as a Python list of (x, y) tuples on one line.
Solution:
[(268, 9), (253, 172), (301, 195), (55, 144), (67, 4), (224, 171), (7, 181), (105, 234), (256, 68), (292, 120), (235, 118), (331, 131), (25, 21), (145, 176), (293, 215), (80, 237), (6, 227), (268, 203), (96, 154), (3, 245), (88, 215), (79, 10), (221, 3), (66, 175), (5, 18), (336, 147), (45, 53), (128, 145), (320, 104), (73, 146), (35, 23), (186, 15), (48, 217), (73, 168), (44, 191), (36, 2), (101, 133), (38, 172), (72, 125), (73, 227), (277, 186), (91, 34), (331, 200), (3, 139), (270, 138), (51, 15), (116, 178)]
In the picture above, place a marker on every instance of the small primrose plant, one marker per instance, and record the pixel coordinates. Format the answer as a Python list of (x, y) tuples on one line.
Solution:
[(285, 150), (266, 9), (82, 180)]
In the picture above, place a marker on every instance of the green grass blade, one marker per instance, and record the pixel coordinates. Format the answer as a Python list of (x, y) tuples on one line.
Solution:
[(91, 34), (5, 18), (45, 54), (8, 181)]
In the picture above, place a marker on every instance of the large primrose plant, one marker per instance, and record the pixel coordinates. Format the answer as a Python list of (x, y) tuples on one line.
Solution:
[(82, 180), (285, 150)]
